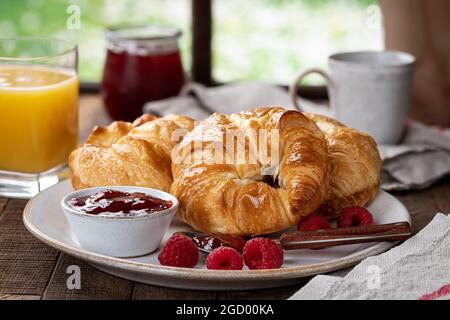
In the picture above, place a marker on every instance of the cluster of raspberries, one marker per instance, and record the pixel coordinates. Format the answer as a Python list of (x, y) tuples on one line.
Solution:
[(350, 217), (258, 253)]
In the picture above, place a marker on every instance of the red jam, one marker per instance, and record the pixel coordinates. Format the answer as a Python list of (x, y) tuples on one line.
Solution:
[(213, 241), (118, 203), (130, 80)]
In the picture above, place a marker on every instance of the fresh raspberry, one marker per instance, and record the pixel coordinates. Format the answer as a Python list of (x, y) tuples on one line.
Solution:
[(313, 222), (179, 251), (262, 253), (354, 217), (224, 258)]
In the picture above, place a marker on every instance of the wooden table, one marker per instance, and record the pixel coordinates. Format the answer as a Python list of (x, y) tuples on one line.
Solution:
[(31, 270)]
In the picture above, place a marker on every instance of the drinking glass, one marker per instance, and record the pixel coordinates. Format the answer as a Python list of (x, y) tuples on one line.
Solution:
[(38, 113), (143, 64)]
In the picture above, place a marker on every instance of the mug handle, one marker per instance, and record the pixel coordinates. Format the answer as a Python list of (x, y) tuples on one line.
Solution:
[(293, 88)]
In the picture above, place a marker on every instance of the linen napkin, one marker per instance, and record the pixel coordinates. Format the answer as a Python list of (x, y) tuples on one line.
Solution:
[(417, 269), (421, 159)]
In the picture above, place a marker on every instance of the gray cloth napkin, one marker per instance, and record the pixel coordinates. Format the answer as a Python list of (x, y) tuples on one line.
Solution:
[(420, 160), (417, 269)]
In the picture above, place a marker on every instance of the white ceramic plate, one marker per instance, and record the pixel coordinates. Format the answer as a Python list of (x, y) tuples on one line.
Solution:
[(44, 218)]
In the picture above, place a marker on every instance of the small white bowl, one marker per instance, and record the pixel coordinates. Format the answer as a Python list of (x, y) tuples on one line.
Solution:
[(119, 236)]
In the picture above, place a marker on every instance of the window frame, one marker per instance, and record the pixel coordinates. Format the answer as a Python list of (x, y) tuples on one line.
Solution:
[(202, 62)]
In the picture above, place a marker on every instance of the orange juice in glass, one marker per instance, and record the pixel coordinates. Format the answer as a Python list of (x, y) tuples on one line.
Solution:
[(38, 113)]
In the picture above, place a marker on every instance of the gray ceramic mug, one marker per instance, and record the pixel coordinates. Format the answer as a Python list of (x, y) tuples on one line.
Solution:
[(369, 91)]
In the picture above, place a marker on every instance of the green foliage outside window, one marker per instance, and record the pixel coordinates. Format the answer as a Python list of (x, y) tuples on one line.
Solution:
[(253, 39)]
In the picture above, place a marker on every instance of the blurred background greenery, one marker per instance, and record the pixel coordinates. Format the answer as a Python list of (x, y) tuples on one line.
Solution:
[(265, 40)]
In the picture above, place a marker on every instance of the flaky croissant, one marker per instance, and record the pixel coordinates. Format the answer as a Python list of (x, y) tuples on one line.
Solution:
[(320, 166), (125, 153), (355, 166), (222, 191)]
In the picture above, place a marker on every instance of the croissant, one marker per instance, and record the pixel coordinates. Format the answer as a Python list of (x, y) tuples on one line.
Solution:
[(250, 192), (312, 164), (354, 169), (126, 153)]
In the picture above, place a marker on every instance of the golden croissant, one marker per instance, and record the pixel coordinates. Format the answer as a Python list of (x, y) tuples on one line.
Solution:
[(125, 153), (354, 166), (221, 191), (310, 164)]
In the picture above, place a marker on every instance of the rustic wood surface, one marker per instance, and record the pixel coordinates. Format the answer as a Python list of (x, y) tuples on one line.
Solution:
[(31, 270)]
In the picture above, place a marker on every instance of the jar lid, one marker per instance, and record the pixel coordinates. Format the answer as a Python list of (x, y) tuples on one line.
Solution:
[(142, 32)]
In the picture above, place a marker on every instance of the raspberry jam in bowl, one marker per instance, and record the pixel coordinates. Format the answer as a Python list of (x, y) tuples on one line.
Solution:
[(119, 221), (117, 203)]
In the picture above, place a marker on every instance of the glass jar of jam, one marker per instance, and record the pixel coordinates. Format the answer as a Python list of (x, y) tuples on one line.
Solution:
[(143, 64)]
